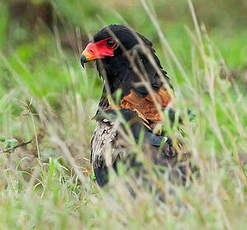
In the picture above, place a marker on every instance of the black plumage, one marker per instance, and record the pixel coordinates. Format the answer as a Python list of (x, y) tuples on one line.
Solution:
[(118, 71), (132, 61)]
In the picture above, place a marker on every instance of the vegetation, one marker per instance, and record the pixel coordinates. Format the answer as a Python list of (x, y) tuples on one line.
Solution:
[(46, 98)]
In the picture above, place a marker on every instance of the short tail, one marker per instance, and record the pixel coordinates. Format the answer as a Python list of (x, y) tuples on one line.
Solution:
[(101, 175)]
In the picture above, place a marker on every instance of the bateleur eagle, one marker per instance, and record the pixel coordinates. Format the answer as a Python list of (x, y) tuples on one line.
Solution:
[(136, 88)]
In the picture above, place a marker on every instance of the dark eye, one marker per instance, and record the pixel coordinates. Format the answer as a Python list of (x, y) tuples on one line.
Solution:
[(111, 43)]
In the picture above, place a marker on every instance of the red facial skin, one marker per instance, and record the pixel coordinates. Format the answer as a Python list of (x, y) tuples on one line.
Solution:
[(99, 50)]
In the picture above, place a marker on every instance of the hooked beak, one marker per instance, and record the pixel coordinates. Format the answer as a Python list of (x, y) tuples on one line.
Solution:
[(88, 54), (83, 60)]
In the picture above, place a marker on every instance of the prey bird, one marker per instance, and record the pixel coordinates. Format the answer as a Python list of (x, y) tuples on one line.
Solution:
[(136, 88)]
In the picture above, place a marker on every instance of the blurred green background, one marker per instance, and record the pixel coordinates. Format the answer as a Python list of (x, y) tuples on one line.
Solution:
[(46, 97), (34, 33), (40, 40)]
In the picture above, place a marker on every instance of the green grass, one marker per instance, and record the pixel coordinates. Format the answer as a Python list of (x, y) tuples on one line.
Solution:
[(46, 96)]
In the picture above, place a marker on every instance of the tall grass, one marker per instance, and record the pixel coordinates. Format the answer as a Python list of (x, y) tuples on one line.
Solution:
[(47, 184)]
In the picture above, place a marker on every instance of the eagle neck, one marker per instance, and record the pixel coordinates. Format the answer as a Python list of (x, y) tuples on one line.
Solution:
[(116, 73)]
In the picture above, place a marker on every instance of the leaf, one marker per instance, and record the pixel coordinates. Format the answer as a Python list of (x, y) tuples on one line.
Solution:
[(11, 143), (3, 139)]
